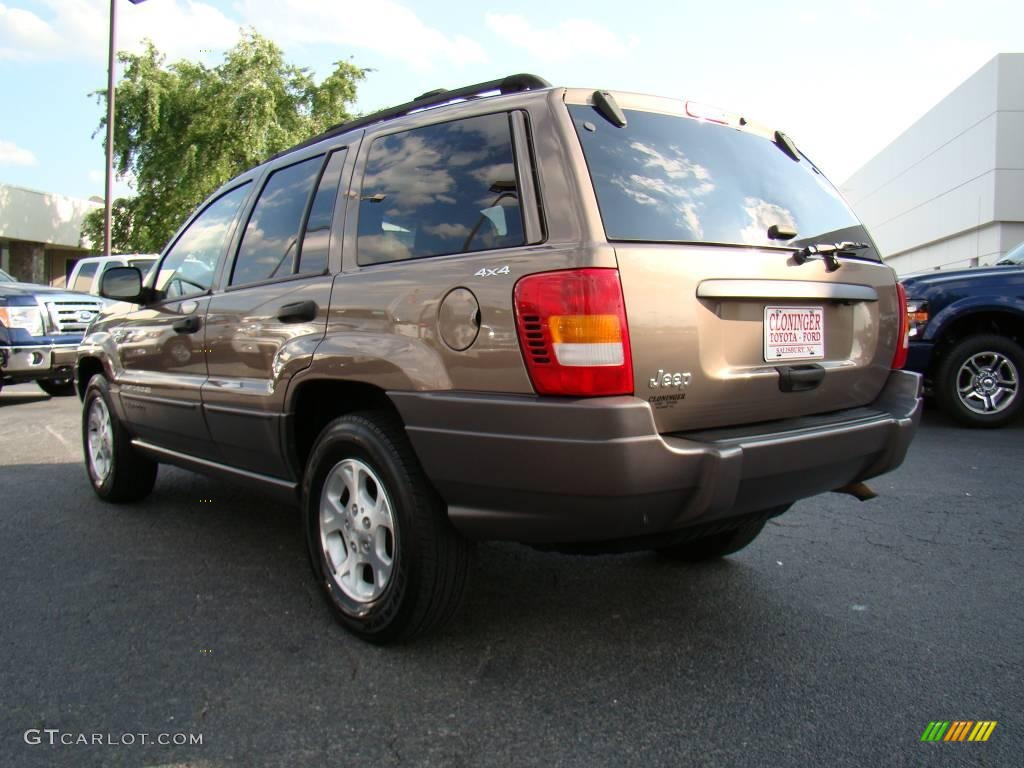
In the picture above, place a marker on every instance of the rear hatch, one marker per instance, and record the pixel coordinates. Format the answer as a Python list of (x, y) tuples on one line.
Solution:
[(726, 325)]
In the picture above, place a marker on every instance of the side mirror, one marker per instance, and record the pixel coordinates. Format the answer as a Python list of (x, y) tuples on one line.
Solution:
[(122, 284)]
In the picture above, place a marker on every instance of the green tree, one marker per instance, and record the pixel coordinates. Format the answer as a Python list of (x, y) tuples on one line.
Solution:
[(183, 129)]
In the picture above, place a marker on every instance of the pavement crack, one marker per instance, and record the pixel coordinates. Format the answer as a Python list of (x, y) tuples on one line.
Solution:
[(72, 451), (893, 549)]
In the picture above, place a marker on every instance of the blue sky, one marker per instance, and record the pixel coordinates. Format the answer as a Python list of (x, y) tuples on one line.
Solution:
[(842, 78)]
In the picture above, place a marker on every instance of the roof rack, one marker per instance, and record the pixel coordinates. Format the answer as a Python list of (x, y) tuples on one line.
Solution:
[(509, 84)]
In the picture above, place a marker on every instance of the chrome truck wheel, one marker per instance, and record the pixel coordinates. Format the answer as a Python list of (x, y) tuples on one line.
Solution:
[(977, 380)]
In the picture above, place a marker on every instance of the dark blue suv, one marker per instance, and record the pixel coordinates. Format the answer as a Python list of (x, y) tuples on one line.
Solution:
[(967, 338)]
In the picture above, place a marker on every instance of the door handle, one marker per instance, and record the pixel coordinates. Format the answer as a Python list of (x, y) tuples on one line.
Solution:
[(299, 312), (186, 325), (800, 378)]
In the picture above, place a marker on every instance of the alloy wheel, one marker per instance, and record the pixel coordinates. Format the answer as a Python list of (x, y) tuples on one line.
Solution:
[(987, 383), (357, 530), (101, 440)]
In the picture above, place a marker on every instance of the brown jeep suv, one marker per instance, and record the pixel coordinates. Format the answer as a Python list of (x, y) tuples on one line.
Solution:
[(579, 319)]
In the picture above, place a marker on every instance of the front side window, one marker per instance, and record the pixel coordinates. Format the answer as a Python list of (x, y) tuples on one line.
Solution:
[(440, 189), (189, 266), (668, 178), (83, 280), (269, 246)]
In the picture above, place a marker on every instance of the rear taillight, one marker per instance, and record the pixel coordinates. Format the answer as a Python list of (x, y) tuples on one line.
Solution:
[(573, 332), (899, 358)]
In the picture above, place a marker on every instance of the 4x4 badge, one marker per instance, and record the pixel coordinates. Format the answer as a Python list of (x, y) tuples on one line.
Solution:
[(486, 272)]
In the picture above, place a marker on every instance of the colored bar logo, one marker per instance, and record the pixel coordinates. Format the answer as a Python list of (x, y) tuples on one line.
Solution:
[(958, 730)]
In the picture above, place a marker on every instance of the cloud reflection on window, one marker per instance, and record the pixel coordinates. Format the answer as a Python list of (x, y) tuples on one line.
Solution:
[(188, 266), (668, 178), (762, 215), (425, 191), (669, 181)]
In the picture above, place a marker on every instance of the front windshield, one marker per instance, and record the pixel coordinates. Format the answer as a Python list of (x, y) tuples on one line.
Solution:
[(1014, 257), (5, 278)]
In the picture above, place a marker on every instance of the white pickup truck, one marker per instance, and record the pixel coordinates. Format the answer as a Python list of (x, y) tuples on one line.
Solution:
[(86, 275)]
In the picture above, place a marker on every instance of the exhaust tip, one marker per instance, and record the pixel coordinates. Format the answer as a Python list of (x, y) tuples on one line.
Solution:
[(859, 491)]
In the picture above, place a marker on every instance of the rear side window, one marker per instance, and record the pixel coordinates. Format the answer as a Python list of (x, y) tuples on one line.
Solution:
[(316, 239), (83, 281), (667, 178), (440, 189), (269, 246)]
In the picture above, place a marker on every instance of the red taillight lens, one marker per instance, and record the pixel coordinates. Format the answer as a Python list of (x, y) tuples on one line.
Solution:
[(899, 358), (573, 332)]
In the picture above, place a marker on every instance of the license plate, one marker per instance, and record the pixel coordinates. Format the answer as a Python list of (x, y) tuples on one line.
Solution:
[(794, 332)]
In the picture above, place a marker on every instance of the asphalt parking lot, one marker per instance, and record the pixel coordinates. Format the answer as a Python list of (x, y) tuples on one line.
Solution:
[(832, 641)]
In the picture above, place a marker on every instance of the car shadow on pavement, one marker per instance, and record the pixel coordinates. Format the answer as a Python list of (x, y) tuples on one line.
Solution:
[(200, 602), (18, 398), (243, 551)]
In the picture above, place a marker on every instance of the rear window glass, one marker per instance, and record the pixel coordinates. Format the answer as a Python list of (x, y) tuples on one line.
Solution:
[(666, 178), (83, 281)]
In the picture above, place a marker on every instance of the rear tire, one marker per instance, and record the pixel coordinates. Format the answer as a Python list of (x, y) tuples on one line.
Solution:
[(390, 563), (978, 381), (58, 387), (716, 545), (117, 471)]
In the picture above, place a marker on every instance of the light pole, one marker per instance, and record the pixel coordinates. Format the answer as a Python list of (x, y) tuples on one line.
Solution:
[(111, 62)]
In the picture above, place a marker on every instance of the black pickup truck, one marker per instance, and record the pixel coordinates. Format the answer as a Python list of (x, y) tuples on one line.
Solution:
[(40, 328), (967, 338)]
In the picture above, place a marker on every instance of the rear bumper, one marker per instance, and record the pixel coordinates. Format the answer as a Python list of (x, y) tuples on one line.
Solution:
[(546, 470), (36, 361)]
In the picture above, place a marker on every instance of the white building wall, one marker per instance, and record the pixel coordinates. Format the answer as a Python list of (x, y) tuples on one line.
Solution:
[(41, 217), (949, 191)]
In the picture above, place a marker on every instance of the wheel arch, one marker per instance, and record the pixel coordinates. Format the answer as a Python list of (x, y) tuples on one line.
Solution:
[(952, 327), (314, 403), (86, 368)]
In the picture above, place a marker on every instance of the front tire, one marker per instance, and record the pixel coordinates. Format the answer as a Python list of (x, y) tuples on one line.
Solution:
[(978, 381), (390, 563), (117, 471), (58, 387)]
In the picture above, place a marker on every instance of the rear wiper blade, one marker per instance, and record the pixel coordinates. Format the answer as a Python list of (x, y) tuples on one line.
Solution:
[(828, 252)]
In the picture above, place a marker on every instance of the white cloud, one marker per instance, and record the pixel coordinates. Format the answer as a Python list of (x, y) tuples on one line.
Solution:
[(385, 26), (22, 34), (78, 29), (196, 30), (566, 40), (12, 154)]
